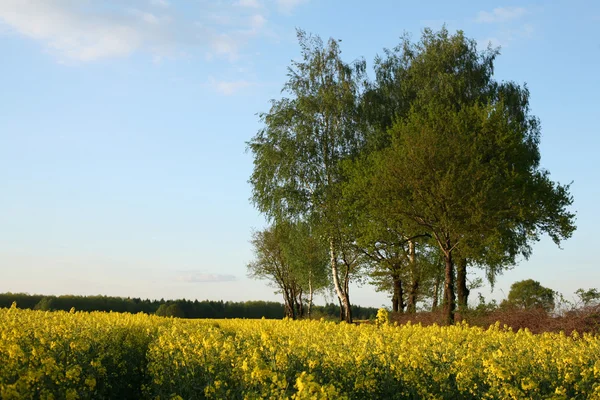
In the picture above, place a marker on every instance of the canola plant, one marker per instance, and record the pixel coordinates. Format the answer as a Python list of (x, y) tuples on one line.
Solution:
[(77, 355)]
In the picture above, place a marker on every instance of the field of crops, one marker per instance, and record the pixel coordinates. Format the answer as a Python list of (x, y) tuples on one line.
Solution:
[(55, 355)]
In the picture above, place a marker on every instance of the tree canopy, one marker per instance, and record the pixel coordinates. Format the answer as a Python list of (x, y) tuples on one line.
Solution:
[(433, 152), (463, 162), (293, 261), (531, 294), (297, 154)]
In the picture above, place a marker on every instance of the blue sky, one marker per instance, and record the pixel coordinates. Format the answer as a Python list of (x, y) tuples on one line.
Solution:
[(123, 127)]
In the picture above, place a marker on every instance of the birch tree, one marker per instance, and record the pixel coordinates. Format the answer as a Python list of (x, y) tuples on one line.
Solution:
[(305, 136)]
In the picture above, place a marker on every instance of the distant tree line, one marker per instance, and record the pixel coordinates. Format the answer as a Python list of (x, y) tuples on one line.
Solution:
[(177, 308)]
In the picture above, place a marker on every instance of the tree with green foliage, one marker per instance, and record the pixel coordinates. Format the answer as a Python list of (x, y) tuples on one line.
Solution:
[(588, 297), (44, 304), (271, 263), (175, 311), (462, 162), (389, 250), (161, 311), (298, 153), (530, 294), (294, 261), (170, 310), (308, 258)]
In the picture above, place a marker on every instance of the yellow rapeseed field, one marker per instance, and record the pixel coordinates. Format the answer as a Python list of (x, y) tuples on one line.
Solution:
[(61, 355)]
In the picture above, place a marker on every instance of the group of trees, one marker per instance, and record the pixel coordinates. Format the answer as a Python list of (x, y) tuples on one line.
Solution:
[(528, 293), (411, 178), (181, 308)]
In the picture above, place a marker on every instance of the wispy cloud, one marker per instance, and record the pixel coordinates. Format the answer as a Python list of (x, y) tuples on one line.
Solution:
[(506, 24), (148, 17), (224, 44), (202, 277), (257, 21), (248, 3), (504, 37), (160, 3), (95, 29), (500, 14), (229, 43), (68, 32), (288, 6), (228, 88)]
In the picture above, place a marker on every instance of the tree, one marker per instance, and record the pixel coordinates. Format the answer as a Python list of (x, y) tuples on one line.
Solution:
[(45, 304), (462, 162), (170, 310), (393, 252), (307, 256), (161, 311), (588, 297), (531, 294), (298, 152), (174, 310), (294, 262), (272, 263)]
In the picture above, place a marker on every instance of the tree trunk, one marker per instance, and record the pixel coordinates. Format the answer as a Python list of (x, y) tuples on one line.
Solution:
[(300, 313), (342, 312), (289, 304), (347, 305), (411, 305), (310, 295), (449, 302), (340, 290), (436, 293), (287, 309), (462, 292), (397, 299)]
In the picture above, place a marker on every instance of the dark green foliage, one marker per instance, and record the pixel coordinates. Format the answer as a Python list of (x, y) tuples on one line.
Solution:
[(174, 311), (460, 160), (530, 294), (161, 311)]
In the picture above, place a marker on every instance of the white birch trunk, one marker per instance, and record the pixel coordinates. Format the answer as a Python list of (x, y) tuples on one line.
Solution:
[(341, 293)]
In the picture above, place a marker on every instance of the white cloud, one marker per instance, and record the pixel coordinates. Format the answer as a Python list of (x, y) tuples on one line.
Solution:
[(220, 18), (287, 6), (85, 31), (225, 44), (501, 14), (73, 32), (228, 88), (505, 37), (160, 3), (145, 16), (248, 3), (507, 26), (229, 44), (257, 21), (200, 277)]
